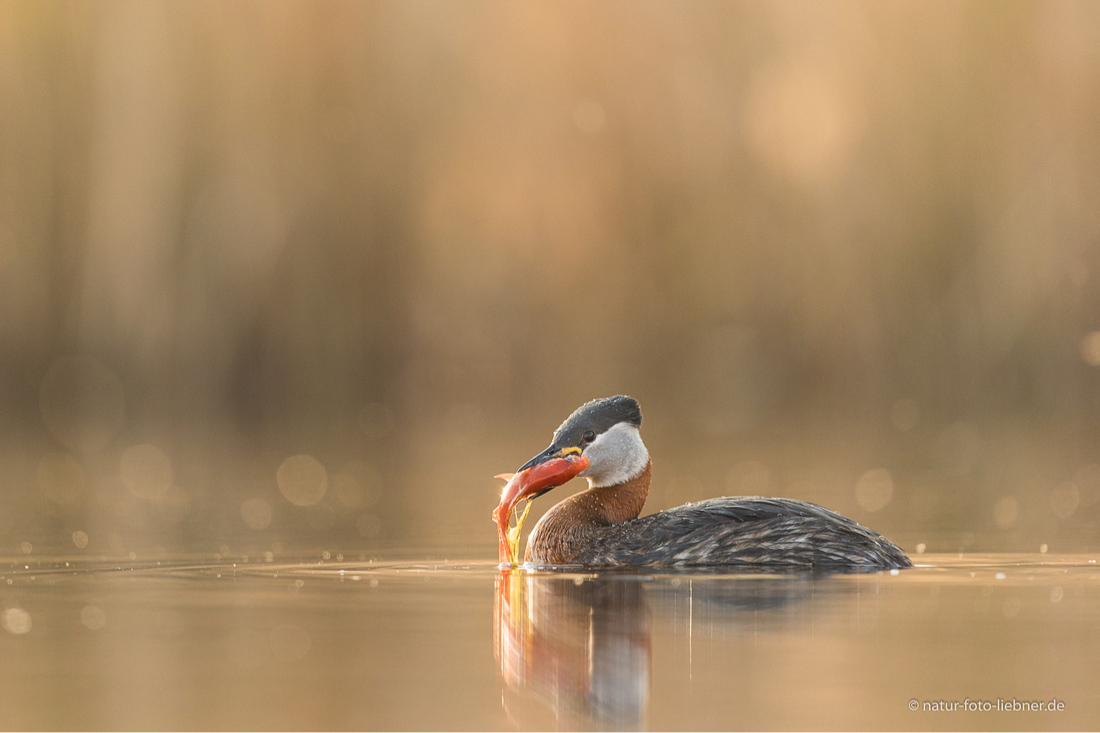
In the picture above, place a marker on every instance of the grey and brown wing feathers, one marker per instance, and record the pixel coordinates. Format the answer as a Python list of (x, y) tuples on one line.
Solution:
[(744, 530)]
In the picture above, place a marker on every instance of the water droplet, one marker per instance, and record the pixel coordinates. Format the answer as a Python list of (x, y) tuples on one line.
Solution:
[(1043, 548), (1056, 594), (921, 547), (80, 539), (26, 547)]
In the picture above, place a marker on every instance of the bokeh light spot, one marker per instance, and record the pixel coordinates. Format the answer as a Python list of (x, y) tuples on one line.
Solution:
[(1090, 348), (1064, 499), (16, 621), (93, 617), (146, 470), (802, 121), (875, 489), (256, 513), (302, 480)]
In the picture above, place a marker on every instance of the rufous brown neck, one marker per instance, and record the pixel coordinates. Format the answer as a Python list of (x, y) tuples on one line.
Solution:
[(622, 502)]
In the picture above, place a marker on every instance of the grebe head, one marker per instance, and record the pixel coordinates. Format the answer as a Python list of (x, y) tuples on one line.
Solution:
[(605, 432), (599, 441)]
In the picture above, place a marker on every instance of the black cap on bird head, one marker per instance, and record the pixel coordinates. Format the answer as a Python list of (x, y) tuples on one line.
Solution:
[(598, 416), (588, 422)]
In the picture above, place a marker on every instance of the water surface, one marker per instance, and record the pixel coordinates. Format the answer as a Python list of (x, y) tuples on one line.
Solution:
[(259, 643)]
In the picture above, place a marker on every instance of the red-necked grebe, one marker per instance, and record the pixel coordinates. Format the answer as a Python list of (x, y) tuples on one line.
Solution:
[(600, 527)]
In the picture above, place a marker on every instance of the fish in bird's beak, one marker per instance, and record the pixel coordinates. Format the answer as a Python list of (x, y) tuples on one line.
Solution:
[(540, 474)]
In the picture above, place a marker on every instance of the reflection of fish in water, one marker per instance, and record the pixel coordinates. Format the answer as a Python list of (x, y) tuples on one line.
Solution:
[(600, 527), (582, 644)]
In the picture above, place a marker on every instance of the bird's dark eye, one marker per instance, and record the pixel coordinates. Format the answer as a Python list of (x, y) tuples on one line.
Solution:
[(588, 436)]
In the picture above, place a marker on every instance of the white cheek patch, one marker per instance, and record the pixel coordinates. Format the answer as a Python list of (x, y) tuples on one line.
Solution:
[(616, 456)]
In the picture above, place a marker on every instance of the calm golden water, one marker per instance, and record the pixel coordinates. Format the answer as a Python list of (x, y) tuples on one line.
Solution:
[(261, 643)]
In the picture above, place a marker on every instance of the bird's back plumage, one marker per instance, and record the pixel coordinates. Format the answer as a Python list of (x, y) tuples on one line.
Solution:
[(742, 530)]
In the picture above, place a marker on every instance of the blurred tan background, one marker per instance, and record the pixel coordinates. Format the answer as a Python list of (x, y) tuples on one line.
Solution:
[(293, 276)]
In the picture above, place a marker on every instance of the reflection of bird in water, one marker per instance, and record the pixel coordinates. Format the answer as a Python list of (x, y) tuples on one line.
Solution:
[(600, 526), (725, 599), (582, 644)]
